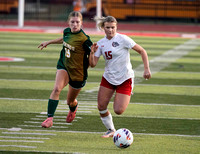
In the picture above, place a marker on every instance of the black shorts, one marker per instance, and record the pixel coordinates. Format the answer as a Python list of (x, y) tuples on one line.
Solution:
[(73, 84), (77, 84)]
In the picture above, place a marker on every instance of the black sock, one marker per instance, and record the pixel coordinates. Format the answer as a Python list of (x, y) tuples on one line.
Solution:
[(73, 108)]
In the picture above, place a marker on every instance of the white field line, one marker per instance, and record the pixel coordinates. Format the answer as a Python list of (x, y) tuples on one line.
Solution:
[(65, 106), (39, 119), (46, 100), (81, 102), (63, 111), (85, 106), (18, 146), (21, 99), (166, 85), (44, 113), (85, 103), (58, 123), (86, 109), (97, 88), (92, 90), (28, 138), (55, 119), (34, 126), (170, 118), (165, 104), (40, 67), (181, 72), (25, 141), (178, 135), (45, 81), (37, 152), (170, 56), (53, 68), (14, 129), (27, 80), (146, 117), (56, 116), (80, 108), (86, 132), (22, 133)]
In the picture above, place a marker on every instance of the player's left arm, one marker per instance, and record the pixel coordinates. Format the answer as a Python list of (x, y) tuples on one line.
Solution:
[(143, 53)]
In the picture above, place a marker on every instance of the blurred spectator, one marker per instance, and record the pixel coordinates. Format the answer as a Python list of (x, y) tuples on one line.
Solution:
[(78, 5), (129, 1)]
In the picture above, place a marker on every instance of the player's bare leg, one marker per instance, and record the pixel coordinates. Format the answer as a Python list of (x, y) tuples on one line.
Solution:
[(61, 81), (72, 102), (104, 96), (121, 102)]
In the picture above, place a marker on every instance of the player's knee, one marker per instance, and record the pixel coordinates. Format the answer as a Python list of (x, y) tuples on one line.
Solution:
[(57, 90), (118, 111), (101, 107)]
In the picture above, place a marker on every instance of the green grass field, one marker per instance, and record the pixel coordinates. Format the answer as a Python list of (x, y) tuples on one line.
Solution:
[(163, 115)]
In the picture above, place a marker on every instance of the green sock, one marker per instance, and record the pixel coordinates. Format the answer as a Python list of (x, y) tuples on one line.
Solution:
[(52, 105)]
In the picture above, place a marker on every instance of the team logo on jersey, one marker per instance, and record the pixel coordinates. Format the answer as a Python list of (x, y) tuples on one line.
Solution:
[(68, 46), (115, 44)]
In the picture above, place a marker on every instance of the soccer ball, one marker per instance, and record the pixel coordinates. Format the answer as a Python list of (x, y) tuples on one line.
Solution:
[(123, 138)]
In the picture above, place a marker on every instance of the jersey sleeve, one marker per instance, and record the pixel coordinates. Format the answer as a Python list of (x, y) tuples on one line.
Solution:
[(87, 46), (128, 42)]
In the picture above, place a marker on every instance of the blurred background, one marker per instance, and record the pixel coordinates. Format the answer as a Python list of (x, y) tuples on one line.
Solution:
[(140, 11)]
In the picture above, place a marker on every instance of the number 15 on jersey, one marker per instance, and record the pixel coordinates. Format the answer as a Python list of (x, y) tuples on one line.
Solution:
[(108, 55)]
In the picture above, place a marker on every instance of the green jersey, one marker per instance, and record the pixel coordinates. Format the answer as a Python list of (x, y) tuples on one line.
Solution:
[(74, 56)]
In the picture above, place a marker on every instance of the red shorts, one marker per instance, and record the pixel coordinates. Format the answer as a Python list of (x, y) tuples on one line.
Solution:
[(124, 88)]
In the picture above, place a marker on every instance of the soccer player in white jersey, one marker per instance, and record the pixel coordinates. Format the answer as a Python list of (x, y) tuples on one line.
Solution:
[(119, 75)]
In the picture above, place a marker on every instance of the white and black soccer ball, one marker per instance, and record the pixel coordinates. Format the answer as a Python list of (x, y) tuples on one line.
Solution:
[(123, 138)]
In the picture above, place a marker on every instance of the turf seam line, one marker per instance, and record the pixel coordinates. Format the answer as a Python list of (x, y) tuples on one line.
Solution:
[(178, 135), (82, 102)]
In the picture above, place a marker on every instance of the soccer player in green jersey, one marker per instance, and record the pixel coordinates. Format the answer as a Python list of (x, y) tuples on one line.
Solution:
[(71, 67)]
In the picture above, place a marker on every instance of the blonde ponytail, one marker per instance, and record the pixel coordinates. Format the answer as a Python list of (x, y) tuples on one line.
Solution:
[(102, 20)]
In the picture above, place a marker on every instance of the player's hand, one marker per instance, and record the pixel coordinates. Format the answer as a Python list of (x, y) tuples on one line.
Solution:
[(94, 48), (43, 45), (147, 74)]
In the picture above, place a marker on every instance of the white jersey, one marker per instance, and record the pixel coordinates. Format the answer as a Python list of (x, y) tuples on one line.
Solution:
[(118, 67)]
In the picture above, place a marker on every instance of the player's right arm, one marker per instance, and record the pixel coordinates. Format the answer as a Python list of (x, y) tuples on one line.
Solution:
[(93, 60), (46, 43)]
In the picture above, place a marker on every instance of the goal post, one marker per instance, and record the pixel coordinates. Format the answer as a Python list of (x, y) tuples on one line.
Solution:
[(21, 4), (98, 10), (21, 14)]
